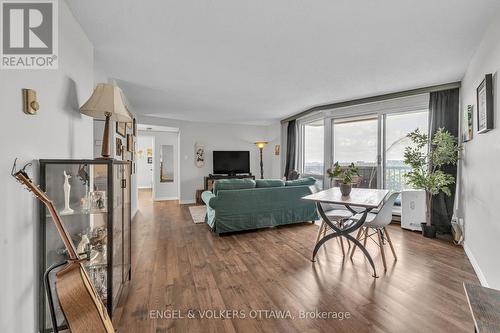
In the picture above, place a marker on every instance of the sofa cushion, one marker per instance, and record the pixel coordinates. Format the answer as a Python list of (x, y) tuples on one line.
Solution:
[(233, 184), (269, 183), (309, 181)]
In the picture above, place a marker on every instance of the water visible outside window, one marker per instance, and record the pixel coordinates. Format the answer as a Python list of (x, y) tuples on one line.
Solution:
[(397, 127)]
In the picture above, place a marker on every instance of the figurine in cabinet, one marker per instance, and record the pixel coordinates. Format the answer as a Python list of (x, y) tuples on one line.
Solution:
[(67, 189)]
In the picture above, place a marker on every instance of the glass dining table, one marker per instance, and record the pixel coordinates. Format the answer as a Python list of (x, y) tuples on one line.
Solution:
[(364, 199)]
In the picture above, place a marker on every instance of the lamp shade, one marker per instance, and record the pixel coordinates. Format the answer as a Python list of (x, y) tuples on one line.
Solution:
[(261, 144), (106, 101)]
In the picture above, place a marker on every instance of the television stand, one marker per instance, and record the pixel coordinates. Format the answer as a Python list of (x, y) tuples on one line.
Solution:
[(210, 179)]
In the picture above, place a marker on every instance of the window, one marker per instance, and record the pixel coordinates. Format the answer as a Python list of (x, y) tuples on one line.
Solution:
[(372, 136), (313, 150), (355, 140), (397, 126)]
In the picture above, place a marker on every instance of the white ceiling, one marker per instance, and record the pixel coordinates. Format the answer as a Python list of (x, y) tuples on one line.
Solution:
[(260, 61)]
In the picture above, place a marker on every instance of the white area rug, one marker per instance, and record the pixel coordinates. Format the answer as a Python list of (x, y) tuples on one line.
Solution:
[(198, 213)]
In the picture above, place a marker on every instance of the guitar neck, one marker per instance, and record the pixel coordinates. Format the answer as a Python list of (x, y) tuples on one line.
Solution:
[(63, 233)]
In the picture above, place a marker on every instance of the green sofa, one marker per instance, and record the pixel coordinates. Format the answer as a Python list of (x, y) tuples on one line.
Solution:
[(246, 204)]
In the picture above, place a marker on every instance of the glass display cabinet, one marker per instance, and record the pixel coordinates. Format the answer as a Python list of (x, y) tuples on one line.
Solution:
[(93, 199)]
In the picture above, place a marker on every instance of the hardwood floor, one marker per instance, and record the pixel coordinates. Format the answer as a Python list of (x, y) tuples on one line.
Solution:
[(182, 266)]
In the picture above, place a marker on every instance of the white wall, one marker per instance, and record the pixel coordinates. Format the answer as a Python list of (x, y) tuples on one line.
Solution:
[(481, 158), (58, 131), (144, 170), (274, 161), (215, 136)]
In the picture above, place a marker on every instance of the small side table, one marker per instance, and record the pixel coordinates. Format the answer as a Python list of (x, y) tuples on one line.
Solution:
[(199, 201), (484, 305)]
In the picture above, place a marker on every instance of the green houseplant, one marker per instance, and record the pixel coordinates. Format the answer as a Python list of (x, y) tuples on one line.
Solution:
[(344, 176), (426, 166)]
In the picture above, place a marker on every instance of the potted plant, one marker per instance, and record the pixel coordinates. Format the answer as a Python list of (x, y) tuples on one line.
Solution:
[(426, 166), (344, 176)]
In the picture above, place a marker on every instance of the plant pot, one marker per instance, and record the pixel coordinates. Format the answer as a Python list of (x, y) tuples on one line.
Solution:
[(428, 231), (345, 189)]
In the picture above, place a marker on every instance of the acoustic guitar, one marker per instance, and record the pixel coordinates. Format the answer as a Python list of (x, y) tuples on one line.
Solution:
[(82, 308)]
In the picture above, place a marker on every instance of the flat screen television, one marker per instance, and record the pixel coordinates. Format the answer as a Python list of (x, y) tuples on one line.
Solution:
[(231, 162)]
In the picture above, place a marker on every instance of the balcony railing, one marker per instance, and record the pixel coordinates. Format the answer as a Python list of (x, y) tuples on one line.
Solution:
[(394, 176)]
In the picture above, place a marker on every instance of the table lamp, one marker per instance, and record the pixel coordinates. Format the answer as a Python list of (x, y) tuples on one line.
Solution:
[(261, 145), (106, 103)]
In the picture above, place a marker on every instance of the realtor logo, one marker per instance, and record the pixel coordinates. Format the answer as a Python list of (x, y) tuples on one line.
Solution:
[(29, 35)]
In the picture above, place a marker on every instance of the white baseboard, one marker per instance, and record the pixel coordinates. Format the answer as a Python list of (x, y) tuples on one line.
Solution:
[(475, 265), (144, 187), (187, 202), (165, 198)]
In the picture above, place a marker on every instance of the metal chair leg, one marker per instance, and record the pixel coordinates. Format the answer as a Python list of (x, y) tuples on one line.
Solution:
[(381, 245), (390, 243)]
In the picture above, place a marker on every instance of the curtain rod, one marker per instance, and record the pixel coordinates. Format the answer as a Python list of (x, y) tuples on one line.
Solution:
[(372, 99)]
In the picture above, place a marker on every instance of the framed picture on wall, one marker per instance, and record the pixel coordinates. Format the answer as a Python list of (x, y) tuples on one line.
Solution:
[(119, 147), (130, 142), (467, 128), (485, 105), (121, 128)]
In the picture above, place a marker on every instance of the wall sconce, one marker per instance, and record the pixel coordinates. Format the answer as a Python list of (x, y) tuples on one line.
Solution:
[(30, 104)]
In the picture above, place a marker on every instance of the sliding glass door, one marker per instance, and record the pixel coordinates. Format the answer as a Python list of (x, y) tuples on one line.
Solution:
[(374, 142), (313, 159), (356, 140), (397, 126)]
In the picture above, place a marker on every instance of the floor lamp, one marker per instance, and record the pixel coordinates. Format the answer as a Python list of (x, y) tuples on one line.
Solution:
[(261, 145), (106, 103)]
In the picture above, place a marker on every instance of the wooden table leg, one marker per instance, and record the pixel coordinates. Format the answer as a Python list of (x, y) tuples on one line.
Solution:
[(320, 230)]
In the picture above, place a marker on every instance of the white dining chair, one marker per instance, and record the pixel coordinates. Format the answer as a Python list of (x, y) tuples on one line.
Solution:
[(376, 223), (337, 216)]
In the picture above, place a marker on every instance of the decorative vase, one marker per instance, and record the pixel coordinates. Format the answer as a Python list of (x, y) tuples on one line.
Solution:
[(345, 189)]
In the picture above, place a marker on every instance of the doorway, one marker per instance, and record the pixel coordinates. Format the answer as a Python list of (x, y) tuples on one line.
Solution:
[(145, 149), (158, 167)]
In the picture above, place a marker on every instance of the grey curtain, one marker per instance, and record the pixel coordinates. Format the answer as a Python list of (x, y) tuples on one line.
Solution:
[(444, 112), (291, 147)]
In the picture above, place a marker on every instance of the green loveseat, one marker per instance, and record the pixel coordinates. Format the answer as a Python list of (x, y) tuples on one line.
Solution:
[(245, 204)]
